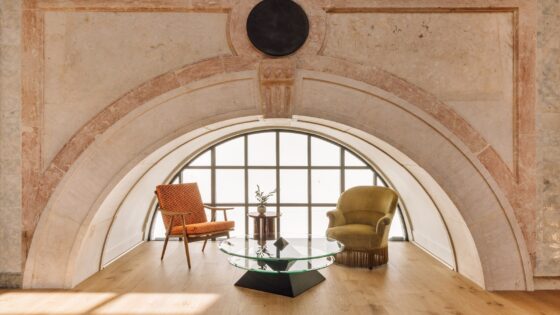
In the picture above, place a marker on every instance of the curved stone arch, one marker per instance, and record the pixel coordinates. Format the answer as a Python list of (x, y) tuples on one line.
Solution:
[(228, 64), (66, 163)]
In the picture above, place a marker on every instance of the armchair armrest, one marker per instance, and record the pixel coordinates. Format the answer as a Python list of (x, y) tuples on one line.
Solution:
[(336, 218), (382, 223)]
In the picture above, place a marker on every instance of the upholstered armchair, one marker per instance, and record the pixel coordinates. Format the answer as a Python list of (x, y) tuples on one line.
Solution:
[(361, 222), (183, 215)]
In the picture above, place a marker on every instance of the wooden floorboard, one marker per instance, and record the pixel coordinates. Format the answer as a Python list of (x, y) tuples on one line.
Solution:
[(139, 283)]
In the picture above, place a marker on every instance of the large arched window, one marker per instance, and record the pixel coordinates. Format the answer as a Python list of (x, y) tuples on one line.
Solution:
[(308, 172)]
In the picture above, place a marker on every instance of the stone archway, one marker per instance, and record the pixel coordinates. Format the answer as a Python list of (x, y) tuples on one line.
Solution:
[(151, 116)]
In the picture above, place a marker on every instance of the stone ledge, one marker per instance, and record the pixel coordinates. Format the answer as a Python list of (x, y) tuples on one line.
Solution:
[(547, 283), (11, 280)]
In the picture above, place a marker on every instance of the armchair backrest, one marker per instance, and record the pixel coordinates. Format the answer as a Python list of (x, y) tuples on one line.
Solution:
[(181, 198), (367, 204)]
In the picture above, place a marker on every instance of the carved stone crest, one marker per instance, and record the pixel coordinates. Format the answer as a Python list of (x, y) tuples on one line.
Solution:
[(276, 78)]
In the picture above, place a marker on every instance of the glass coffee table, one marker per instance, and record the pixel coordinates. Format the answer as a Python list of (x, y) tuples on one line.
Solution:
[(286, 269)]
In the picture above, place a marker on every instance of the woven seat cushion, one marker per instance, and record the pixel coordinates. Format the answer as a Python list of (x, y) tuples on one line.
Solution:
[(355, 236), (204, 228)]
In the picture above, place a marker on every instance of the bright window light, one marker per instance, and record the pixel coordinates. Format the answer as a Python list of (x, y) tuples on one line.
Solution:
[(308, 172), (262, 149), (231, 152)]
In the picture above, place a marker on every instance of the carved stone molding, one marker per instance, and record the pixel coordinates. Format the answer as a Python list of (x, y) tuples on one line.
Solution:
[(276, 79)]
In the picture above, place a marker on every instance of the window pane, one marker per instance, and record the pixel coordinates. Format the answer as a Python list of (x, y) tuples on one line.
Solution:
[(325, 186), (230, 186), (159, 229), (262, 148), (203, 179), (293, 149), (397, 226), (266, 179), (293, 222), (237, 215), (352, 160), (293, 186), (357, 178), (175, 180), (324, 153), (319, 221), (231, 152), (201, 160)]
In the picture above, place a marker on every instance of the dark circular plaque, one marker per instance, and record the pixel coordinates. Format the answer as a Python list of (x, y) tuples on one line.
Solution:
[(277, 27)]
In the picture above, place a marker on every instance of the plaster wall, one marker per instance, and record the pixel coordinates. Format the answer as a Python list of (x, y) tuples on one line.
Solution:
[(443, 53), (92, 58)]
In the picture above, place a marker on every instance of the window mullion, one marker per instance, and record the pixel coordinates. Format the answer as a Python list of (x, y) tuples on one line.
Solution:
[(342, 170), (309, 193), (246, 171), (213, 176), (278, 183)]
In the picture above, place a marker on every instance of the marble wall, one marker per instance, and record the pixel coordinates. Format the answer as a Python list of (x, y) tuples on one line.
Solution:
[(10, 145), (548, 76)]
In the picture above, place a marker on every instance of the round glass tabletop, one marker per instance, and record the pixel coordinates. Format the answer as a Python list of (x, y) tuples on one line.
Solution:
[(282, 266), (295, 249)]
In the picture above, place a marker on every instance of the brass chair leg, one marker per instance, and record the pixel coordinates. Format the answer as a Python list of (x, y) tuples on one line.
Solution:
[(164, 246), (204, 245)]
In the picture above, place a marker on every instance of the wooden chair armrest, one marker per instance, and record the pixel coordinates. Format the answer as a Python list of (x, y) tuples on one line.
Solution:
[(214, 209), (217, 208)]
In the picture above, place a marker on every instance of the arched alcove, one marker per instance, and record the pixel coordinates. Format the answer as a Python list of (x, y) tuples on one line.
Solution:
[(89, 193), (428, 209)]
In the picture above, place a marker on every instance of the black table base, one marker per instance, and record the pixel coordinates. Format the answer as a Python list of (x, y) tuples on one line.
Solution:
[(285, 284)]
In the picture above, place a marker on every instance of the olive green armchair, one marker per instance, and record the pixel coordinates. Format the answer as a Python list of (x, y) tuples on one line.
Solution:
[(361, 222)]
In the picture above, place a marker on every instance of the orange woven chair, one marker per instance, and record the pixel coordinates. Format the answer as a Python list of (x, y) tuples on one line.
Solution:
[(183, 215)]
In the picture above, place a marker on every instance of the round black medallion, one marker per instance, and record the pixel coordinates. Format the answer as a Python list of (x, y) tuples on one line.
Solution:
[(277, 27)]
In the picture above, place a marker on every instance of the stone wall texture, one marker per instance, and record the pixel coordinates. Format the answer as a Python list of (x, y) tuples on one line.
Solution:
[(548, 106), (10, 145)]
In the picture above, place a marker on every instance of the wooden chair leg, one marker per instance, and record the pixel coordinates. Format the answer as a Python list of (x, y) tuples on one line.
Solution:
[(213, 219), (164, 246), (186, 242), (204, 245)]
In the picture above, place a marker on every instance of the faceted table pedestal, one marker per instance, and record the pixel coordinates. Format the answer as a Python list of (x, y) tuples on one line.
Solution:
[(287, 284), (287, 268)]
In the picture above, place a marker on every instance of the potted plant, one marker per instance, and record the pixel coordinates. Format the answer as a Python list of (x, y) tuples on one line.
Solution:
[(262, 198)]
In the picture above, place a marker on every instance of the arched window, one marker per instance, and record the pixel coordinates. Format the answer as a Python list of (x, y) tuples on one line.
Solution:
[(308, 172)]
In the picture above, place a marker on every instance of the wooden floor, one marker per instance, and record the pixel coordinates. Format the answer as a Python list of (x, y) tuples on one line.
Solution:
[(138, 283)]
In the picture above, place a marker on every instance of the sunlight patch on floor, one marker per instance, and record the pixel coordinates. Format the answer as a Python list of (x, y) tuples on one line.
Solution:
[(51, 302), (74, 303)]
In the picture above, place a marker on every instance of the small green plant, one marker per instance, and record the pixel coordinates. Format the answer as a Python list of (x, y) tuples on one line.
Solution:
[(263, 197)]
